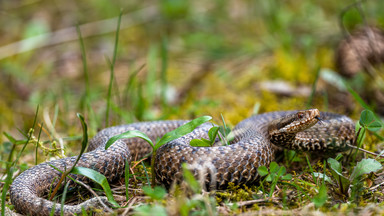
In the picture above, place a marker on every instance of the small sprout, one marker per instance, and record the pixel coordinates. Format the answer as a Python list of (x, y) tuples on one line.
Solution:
[(274, 174)]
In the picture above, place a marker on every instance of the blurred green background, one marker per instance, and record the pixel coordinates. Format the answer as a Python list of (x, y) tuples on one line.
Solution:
[(175, 59)]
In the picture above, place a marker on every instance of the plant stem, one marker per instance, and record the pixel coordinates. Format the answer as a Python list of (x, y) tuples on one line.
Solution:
[(153, 168)]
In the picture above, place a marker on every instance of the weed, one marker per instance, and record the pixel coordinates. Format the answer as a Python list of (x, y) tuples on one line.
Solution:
[(274, 174), (172, 135)]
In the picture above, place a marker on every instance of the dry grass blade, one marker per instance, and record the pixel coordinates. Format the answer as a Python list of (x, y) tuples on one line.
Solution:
[(129, 207), (275, 201), (70, 34)]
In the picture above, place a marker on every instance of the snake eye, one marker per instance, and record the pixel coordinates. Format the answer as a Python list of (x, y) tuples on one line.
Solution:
[(300, 115)]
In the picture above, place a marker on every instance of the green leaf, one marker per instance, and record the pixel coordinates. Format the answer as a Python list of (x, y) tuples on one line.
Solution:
[(365, 166), (335, 166), (212, 133), (127, 135), (84, 141), (157, 193), (274, 167), (366, 117), (336, 173), (181, 131), (322, 176), (147, 210), (224, 130), (270, 177), (11, 138), (263, 171), (200, 143), (98, 178), (282, 171), (374, 126), (321, 197)]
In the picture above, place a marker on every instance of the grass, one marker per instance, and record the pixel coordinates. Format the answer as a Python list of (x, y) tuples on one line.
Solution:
[(218, 55)]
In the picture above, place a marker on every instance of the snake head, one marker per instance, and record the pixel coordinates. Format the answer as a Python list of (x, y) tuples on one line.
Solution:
[(285, 128)]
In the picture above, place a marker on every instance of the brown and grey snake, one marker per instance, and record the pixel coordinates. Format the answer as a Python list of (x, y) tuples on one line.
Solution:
[(253, 146)]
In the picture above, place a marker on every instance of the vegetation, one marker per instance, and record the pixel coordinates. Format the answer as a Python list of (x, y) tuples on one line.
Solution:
[(140, 61)]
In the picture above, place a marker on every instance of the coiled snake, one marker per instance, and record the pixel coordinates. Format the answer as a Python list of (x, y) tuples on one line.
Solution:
[(253, 146)]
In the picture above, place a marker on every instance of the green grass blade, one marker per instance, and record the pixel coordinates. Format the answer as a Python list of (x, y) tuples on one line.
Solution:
[(38, 140), (9, 169), (112, 70), (7, 183), (182, 130), (127, 135), (84, 141), (163, 72), (126, 180), (109, 96), (84, 60), (55, 115), (10, 138), (361, 101), (146, 173), (63, 199), (52, 213), (86, 97), (150, 88), (29, 135), (98, 178)]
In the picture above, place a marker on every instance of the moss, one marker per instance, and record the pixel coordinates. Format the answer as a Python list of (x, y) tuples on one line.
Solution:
[(236, 193)]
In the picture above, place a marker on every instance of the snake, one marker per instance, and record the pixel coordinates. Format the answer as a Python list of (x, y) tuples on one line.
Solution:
[(254, 143)]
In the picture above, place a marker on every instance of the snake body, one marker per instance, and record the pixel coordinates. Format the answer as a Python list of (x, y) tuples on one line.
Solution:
[(253, 146)]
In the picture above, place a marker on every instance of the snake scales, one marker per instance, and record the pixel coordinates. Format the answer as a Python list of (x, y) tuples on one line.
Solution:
[(253, 146)]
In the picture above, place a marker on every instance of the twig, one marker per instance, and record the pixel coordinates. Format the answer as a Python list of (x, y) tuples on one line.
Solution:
[(138, 163), (129, 207), (97, 197), (376, 186), (251, 202), (131, 168), (366, 151)]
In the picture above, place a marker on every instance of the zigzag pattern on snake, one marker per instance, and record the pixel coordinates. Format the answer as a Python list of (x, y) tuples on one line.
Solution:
[(252, 147)]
